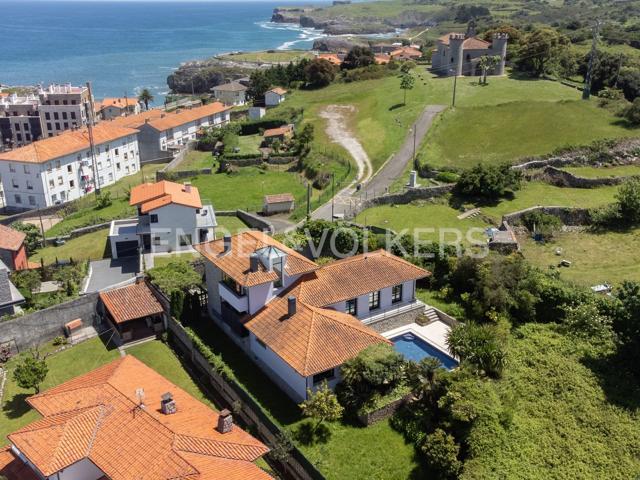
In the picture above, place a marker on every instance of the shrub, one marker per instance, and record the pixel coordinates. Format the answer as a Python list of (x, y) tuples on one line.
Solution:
[(103, 200), (33, 238), (31, 372), (479, 346), (632, 113), (586, 321), (489, 181), (320, 73), (542, 223), (441, 452), (447, 177), (174, 276), (59, 340)]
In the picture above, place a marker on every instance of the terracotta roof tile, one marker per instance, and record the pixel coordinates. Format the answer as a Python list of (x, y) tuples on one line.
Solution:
[(330, 57), (382, 59), (279, 198), (406, 52), (278, 91), (230, 87), (155, 195), (236, 263), (97, 416), (130, 303), (68, 142), (118, 102), (13, 468), (276, 132), (186, 115), (11, 239), (314, 339), (470, 43)]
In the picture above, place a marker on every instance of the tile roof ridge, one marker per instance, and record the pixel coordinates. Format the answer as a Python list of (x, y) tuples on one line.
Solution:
[(256, 450), (328, 313), (311, 332), (40, 425)]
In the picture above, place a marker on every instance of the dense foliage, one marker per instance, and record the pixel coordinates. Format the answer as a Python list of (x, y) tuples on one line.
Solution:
[(31, 372), (33, 238), (489, 181)]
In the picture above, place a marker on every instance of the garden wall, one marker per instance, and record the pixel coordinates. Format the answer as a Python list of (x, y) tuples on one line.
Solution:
[(39, 327), (561, 178), (382, 413), (568, 215), (162, 175), (408, 196)]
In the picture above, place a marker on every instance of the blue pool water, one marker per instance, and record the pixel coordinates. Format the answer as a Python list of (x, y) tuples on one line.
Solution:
[(414, 348)]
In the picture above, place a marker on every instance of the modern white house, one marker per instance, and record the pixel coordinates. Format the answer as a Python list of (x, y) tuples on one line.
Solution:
[(109, 108), (161, 132), (61, 168), (171, 218), (275, 97), (231, 94), (298, 321)]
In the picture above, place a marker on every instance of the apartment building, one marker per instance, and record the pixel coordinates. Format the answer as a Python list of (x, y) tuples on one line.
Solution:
[(41, 114), (60, 169)]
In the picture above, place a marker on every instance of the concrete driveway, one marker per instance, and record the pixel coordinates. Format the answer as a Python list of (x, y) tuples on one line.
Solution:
[(107, 273)]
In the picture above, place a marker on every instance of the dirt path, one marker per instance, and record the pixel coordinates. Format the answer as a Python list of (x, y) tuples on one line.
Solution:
[(339, 132)]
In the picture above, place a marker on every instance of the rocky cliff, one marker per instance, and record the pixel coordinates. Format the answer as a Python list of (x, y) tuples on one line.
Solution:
[(200, 76)]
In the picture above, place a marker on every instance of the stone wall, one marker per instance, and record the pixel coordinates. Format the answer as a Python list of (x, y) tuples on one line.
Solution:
[(16, 217), (36, 328), (408, 196), (254, 221), (568, 215), (385, 412), (561, 178), (162, 175)]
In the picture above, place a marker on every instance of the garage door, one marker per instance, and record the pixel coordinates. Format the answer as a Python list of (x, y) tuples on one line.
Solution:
[(127, 249)]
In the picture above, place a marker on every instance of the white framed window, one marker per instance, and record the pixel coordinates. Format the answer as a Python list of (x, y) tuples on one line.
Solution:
[(374, 300), (26, 169), (32, 200), (14, 183), (12, 168), (29, 185), (17, 198), (60, 181)]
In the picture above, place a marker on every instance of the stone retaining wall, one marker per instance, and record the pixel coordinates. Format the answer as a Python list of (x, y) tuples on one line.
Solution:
[(568, 215), (36, 328), (561, 178), (408, 196), (162, 175), (385, 412)]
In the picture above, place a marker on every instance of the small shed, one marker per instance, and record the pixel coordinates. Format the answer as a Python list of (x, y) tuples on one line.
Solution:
[(281, 134), (133, 311), (504, 241), (256, 113), (275, 97), (280, 203)]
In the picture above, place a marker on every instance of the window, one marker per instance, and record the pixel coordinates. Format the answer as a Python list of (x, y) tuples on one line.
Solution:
[(65, 102), (352, 307), (14, 183), (66, 125), (32, 200), (72, 184), (233, 285), (54, 198), (17, 198), (26, 127), (58, 164), (47, 115), (57, 125), (52, 183), (17, 126), (19, 137), (56, 116), (73, 115), (116, 151), (110, 177), (70, 167), (27, 137), (29, 185), (49, 126), (125, 156), (374, 300), (56, 102), (49, 167), (185, 240), (156, 240), (12, 168), (64, 115), (118, 165), (154, 218), (322, 376), (60, 181), (396, 294)]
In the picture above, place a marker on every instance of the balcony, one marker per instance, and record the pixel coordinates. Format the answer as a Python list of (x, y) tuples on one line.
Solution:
[(240, 303)]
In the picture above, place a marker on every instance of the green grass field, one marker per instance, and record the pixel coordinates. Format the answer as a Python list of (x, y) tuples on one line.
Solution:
[(246, 188), (414, 217), (196, 160), (272, 56), (92, 246), (511, 131), (608, 257), (595, 172), (249, 144)]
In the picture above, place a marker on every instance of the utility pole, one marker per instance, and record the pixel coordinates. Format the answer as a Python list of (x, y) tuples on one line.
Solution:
[(455, 84), (586, 93), (333, 183), (415, 132), (308, 201), (92, 147)]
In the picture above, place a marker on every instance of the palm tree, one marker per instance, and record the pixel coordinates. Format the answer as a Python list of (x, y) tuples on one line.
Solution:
[(145, 97)]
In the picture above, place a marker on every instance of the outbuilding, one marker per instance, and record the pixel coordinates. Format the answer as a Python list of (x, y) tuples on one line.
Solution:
[(275, 97), (280, 203)]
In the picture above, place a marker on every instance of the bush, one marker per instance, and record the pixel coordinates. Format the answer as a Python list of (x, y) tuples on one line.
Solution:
[(489, 181), (175, 276), (479, 346), (632, 113), (441, 452), (586, 321), (103, 200), (33, 238), (542, 223), (320, 73), (447, 177), (31, 372), (59, 340)]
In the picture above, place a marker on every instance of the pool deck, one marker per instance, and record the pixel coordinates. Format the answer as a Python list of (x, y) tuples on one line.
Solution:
[(434, 333)]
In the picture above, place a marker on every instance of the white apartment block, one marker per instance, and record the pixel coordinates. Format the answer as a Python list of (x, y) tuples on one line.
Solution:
[(60, 169)]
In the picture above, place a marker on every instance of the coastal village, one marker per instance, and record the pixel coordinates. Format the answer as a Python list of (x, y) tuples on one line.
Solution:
[(409, 252)]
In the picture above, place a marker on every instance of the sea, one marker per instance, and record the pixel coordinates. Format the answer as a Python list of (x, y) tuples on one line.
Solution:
[(124, 46)]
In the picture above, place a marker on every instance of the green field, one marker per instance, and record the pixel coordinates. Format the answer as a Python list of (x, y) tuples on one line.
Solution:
[(246, 188), (595, 172), (512, 131), (92, 246), (229, 225), (249, 144), (412, 218), (596, 258), (196, 160), (269, 56)]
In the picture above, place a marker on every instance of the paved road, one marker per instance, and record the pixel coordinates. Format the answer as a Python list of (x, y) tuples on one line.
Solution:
[(348, 199)]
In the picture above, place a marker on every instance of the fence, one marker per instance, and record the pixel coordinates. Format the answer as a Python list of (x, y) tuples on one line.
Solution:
[(244, 407)]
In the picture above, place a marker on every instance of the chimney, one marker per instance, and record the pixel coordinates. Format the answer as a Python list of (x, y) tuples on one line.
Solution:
[(168, 404), (225, 421), (187, 187), (292, 306), (140, 397), (147, 120), (227, 244), (162, 115), (140, 278), (254, 262)]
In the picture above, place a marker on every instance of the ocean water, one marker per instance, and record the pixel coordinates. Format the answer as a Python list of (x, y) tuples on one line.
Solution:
[(122, 47)]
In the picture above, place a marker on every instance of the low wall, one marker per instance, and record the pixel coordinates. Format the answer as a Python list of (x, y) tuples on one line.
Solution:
[(36, 328), (382, 413), (163, 175), (254, 221), (16, 217), (179, 157), (408, 196), (561, 178), (568, 215)]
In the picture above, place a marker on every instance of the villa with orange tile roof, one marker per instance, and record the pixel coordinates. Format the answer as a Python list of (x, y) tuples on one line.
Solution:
[(459, 54), (275, 97), (162, 132), (61, 168), (12, 248), (406, 53), (298, 321), (171, 218), (116, 107), (124, 421)]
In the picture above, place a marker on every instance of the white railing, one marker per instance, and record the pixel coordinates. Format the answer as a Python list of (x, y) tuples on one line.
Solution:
[(394, 311)]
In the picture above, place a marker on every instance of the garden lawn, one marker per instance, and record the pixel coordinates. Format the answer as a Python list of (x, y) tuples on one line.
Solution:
[(63, 366), (163, 260), (424, 215), (87, 214), (196, 160), (351, 452), (569, 412), (512, 131), (538, 193), (249, 144), (381, 122), (595, 172), (231, 225), (246, 188), (596, 258), (92, 246)]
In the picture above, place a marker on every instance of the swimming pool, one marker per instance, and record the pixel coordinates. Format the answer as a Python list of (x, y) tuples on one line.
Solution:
[(415, 348)]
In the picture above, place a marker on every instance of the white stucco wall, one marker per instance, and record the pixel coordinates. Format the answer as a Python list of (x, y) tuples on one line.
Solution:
[(173, 220), (408, 294)]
